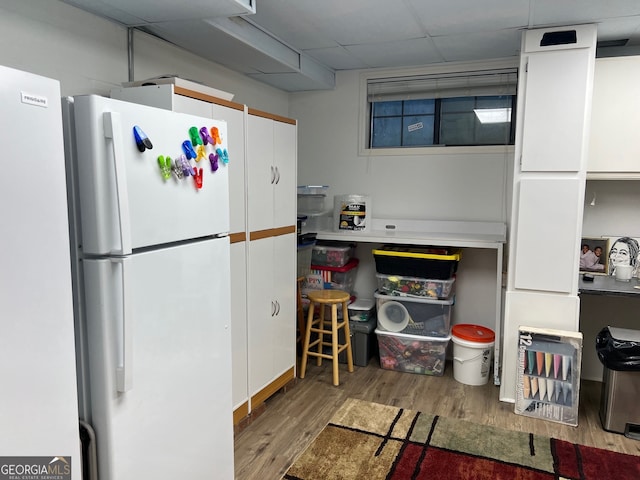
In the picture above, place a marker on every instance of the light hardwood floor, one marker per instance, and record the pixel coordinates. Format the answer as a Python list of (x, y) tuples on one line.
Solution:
[(270, 443)]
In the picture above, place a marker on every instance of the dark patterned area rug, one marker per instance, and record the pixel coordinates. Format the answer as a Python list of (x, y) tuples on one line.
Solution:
[(368, 441)]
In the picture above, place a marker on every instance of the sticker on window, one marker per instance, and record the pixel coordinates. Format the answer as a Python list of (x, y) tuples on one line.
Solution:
[(415, 126)]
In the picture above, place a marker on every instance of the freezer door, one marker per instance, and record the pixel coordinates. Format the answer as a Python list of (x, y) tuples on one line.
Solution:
[(159, 342), (125, 200)]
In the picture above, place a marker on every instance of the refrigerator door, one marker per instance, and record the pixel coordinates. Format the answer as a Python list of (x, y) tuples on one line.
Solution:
[(38, 405), (125, 201), (159, 342)]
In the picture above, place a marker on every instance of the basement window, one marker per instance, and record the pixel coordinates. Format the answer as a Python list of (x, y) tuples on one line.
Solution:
[(446, 109)]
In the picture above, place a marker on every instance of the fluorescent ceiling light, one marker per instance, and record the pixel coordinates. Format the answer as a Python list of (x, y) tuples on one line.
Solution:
[(493, 115)]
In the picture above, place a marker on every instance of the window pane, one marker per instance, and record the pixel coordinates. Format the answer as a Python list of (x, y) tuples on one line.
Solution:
[(459, 104), (383, 109), (493, 134), (457, 128), (416, 107), (417, 130), (493, 102), (386, 132), (459, 121)]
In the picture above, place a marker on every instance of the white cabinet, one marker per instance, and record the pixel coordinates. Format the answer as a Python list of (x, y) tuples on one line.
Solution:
[(614, 146), (271, 222), (555, 111), (555, 86), (271, 160), (271, 311)]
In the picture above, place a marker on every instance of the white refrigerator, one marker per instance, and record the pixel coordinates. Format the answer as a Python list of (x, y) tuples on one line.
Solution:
[(151, 264), (38, 406)]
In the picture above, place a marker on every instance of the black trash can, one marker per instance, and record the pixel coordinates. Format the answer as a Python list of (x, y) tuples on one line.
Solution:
[(619, 351)]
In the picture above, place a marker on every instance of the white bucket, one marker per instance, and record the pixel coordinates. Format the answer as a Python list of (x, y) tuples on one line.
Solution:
[(472, 359)]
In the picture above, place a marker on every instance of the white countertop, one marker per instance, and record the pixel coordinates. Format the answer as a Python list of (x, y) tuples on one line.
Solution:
[(426, 232)]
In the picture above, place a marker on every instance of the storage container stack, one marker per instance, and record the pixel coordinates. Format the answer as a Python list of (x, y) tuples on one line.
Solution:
[(414, 301), (334, 265)]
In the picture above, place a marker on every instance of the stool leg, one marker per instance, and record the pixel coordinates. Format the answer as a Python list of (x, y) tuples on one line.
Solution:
[(321, 335), (307, 337), (347, 335), (334, 342)]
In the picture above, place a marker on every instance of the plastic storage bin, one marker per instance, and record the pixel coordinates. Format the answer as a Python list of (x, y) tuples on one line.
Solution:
[(363, 342), (414, 316), (304, 257), (414, 286), (422, 262), (311, 198), (412, 353), (362, 310), (332, 254), (338, 278)]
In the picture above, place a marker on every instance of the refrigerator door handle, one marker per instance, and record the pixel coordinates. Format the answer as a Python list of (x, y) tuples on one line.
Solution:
[(113, 130), (124, 370)]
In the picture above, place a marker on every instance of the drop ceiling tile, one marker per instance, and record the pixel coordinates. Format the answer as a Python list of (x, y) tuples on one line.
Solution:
[(567, 12), (338, 58), (478, 46), (310, 24), (448, 18), (419, 51)]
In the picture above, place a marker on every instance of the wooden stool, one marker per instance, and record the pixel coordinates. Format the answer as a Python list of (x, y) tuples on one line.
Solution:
[(319, 325)]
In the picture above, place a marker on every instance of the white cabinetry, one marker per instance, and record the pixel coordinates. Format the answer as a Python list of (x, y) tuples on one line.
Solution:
[(271, 311), (271, 160), (555, 86), (614, 147), (271, 220)]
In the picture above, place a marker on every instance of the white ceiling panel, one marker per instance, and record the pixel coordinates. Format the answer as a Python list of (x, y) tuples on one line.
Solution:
[(312, 24), (338, 57), (554, 12), (457, 48), (452, 18), (419, 51)]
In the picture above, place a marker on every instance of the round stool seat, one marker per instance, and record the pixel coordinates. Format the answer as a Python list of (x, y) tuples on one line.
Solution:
[(328, 296)]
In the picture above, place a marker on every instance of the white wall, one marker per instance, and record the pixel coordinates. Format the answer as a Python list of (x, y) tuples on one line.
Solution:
[(88, 54)]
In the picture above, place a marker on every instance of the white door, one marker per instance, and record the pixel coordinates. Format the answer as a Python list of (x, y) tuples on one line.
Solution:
[(261, 173), (285, 159), (126, 201), (158, 327)]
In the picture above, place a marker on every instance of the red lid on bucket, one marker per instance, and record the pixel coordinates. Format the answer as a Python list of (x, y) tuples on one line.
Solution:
[(473, 333)]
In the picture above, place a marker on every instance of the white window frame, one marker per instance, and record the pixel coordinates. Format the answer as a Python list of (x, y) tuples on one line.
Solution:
[(441, 68)]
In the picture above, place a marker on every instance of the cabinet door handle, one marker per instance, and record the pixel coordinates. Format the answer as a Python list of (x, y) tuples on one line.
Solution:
[(277, 175), (273, 175), (277, 308), (273, 308)]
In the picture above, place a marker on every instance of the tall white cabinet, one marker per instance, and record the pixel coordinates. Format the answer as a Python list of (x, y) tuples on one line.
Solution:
[(555, 87), (271, 219), (262, 175), (614, 147)]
